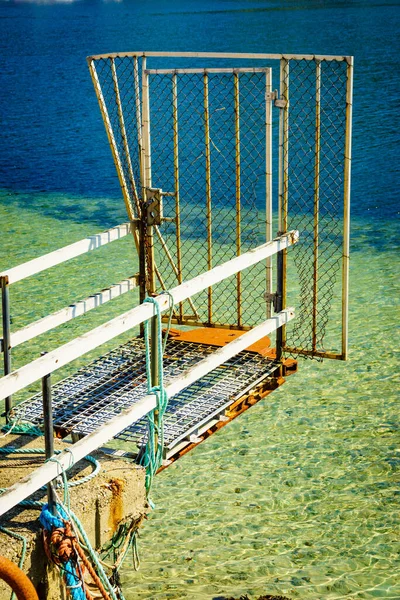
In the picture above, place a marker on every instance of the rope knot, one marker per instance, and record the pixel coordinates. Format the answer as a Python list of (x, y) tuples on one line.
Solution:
[(62, 540)]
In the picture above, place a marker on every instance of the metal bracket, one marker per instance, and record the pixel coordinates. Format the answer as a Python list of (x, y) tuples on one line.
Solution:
[(153, 206), (274, 298), (274, 97)]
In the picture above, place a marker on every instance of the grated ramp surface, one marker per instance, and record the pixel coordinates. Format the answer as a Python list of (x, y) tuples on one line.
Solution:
[(115, 381)]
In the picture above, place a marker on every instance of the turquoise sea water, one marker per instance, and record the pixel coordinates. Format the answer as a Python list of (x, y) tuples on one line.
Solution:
[(299, 496)]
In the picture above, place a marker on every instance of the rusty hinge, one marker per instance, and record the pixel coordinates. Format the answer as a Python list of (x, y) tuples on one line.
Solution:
[(153, 206), (274, 97)]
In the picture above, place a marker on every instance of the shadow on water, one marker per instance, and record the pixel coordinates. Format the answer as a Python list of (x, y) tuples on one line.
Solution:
[(101, 211)]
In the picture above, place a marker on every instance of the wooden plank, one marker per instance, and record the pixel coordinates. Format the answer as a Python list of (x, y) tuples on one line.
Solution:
[(74, 310), (63, 254), (17, 380)]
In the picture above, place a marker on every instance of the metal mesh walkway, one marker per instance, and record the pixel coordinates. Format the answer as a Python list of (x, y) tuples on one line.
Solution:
[(102, 389)]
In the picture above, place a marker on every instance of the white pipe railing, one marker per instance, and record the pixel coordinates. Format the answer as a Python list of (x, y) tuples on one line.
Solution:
[(37, 265), (19, 379), (67, 458), (221, 55), (72, 311)]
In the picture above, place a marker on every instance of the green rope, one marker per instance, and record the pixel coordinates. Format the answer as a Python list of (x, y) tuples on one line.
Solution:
[(116, 544), (21, 429), (24, 547), (153, 454), (66, 484)]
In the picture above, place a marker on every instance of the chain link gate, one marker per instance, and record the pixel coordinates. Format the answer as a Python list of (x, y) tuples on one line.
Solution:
[(195, 149)]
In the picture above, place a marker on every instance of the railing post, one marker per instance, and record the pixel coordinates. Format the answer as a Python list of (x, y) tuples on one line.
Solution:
[(154, 369), (48, 434), (279, 301), (6, 344)]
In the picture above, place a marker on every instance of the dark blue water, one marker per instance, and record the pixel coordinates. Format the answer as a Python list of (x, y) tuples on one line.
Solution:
[(52, 137)]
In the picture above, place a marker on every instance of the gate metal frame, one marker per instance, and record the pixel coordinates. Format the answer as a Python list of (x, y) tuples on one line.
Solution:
[(149, 192), (282, 101)]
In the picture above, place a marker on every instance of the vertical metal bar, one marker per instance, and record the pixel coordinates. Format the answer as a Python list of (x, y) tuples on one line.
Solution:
[(142, 228), (146, 128), (48, 433), (346, 215), (154, 371), (5, 306), (155, 357), (146, 157), (316, 201), (149, 234), (124, 135), (208, 188), (268, 185), (279, 301), (284, 173), (138, 116), (238, 196), (176, 180)]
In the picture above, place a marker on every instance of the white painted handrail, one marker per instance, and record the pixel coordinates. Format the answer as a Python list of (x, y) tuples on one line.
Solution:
[(61, 255), (16, 381), (38, 478), (71, 312)]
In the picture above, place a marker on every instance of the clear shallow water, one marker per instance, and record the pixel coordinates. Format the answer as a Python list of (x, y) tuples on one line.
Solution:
[(300, 495)]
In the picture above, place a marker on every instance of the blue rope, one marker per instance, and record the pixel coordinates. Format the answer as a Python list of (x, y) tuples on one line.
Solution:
[(72, 577)]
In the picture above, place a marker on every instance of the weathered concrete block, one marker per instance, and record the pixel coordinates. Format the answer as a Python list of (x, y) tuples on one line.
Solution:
[(115, 495)]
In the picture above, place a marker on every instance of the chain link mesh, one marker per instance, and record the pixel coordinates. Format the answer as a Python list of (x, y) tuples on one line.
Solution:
[(313, 161), (202, 127), (209, 231)]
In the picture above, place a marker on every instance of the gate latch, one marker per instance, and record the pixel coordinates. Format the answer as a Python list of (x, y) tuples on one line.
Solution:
[(275, 298), (154, 206), (274, 97)]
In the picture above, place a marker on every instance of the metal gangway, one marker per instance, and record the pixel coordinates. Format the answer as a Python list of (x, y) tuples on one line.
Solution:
[(195, 144)]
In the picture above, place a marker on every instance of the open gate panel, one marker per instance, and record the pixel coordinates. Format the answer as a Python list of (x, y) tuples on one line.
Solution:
[(213, 161)]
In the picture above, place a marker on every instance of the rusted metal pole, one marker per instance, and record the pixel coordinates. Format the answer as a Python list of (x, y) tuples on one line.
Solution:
[(208, 187), (316, 201), (176, 182), (268, 185), (5, 304), (154, 370), (238, 197), (279, 301), (48, 434), (284, 177)]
